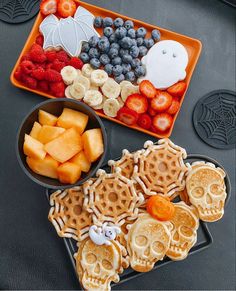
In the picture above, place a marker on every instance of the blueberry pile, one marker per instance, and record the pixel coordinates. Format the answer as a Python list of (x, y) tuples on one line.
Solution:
[(119, 49)]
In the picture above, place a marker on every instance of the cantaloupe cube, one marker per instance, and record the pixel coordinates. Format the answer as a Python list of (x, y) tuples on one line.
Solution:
[(48, 133), (72, 118), (33, 148), (93, 144), (64, 147), (81, 160), (35, 130), (46, 167), (46, 118), (68, 173)]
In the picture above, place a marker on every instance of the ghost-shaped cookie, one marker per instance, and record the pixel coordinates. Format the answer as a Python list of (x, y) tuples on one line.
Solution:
[(165, 63)]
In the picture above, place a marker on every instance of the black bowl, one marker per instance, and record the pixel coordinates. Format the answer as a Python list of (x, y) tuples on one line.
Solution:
[(55, 106)]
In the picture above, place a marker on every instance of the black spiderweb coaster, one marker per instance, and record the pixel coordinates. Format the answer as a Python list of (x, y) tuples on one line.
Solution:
[(16, 11), (214, 119)]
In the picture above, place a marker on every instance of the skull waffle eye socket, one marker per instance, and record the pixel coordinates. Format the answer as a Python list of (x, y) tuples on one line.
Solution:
[(198, 192), (91, 258), (141, 240), (186, 231), (158, 247), (107, 265), (216, 189)]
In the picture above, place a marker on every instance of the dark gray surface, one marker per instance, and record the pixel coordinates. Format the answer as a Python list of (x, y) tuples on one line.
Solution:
[(31, 254)]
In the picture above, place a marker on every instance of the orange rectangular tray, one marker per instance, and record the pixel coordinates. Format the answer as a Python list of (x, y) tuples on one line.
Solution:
[(193, 46)]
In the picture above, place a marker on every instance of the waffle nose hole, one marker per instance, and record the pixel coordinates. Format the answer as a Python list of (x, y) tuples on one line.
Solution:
[(162, 167), (113, 197), (77, 209)]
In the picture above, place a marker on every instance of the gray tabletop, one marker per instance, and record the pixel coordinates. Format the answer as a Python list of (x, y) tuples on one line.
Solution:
[(31, 254)]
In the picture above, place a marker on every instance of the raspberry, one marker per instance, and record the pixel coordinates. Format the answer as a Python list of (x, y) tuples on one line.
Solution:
[(25, 57), (58, 66), (18, 74), (39, 40), (52, 76), (48, 66), (43, 85), (27, 67), (76, 63), (42, 65), (38, 73), (63, 57), (58, 89), (51, 55), (29, 81), (37, 54)]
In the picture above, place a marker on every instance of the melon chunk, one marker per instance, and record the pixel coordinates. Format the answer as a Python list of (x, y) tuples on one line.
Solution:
[(81, 160), (48, 133), (33, 148), (46, 167), (68, 173), (72, 118), (35, 130), (65, 146), (46, 118), (93, 144)]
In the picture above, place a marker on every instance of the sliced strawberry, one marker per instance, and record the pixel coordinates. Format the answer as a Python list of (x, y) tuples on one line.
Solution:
[(145, 121), (177, 90), (174, 107), (162, 121), (128, 116), (66, 8), (48, 7), (161, 102), (151, 111), (147, 89), (137, 102)]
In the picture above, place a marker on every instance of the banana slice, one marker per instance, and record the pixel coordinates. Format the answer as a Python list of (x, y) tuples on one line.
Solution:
[(127, 90), (79, 72), (87, 70), (93, 98), (99, 77), (77, 91), (93, 87), (123, 83), (67, 92), (111, 107), (83, 81), (100, 106), (121, 102), (111, 89), (68, 74)]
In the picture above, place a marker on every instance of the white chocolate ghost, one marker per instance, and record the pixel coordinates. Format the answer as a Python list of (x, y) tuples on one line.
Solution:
[(103, 235), (165, 63)]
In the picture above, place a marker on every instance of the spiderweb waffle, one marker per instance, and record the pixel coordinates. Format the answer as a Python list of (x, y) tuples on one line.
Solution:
[(160, 169), (68, 215)]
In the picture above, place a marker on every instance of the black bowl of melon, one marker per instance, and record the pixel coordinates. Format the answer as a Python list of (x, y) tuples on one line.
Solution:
[(61, 143)]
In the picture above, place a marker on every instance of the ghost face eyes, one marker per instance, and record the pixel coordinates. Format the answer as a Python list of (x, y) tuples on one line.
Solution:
[(164, 52)]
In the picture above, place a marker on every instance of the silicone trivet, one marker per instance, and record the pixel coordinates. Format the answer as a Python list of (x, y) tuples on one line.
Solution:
[(17, 11), (214, 119)]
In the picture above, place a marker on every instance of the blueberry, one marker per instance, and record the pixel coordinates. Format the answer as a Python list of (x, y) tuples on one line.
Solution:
[(134, 42), (156, 35), (120, 32), (84, 57), (117, 70), (148, 43), (139, 41), (123, 52), (130, 76), (127, 59), (115, 45), (116, 61), (126, 68), (134, 51), (108, 68), (85, 47), (95, 63), (93, 53), (129, 24), (140, 71), (112, 38), (118, 22), (113, 52), (142, 51), (98, 21), (135, 63), (104, 59), (131, 33), (108, 31), (141, 32), (93, 41), (126, 42), (107, 21), (119, 78), (104, 44)]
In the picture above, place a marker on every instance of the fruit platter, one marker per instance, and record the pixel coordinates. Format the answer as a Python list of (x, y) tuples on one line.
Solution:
[(128, 71)]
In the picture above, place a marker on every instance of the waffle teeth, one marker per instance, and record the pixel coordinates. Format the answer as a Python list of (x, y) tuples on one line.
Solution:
[(143, 262), (179, 248), (212, 210)]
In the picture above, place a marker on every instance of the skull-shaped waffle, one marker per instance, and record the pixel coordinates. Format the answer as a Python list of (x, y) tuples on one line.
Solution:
[(68, 215), (183, 232), (207, 191), (160, 169), (147, 242), (98, 265), (111, 198)]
